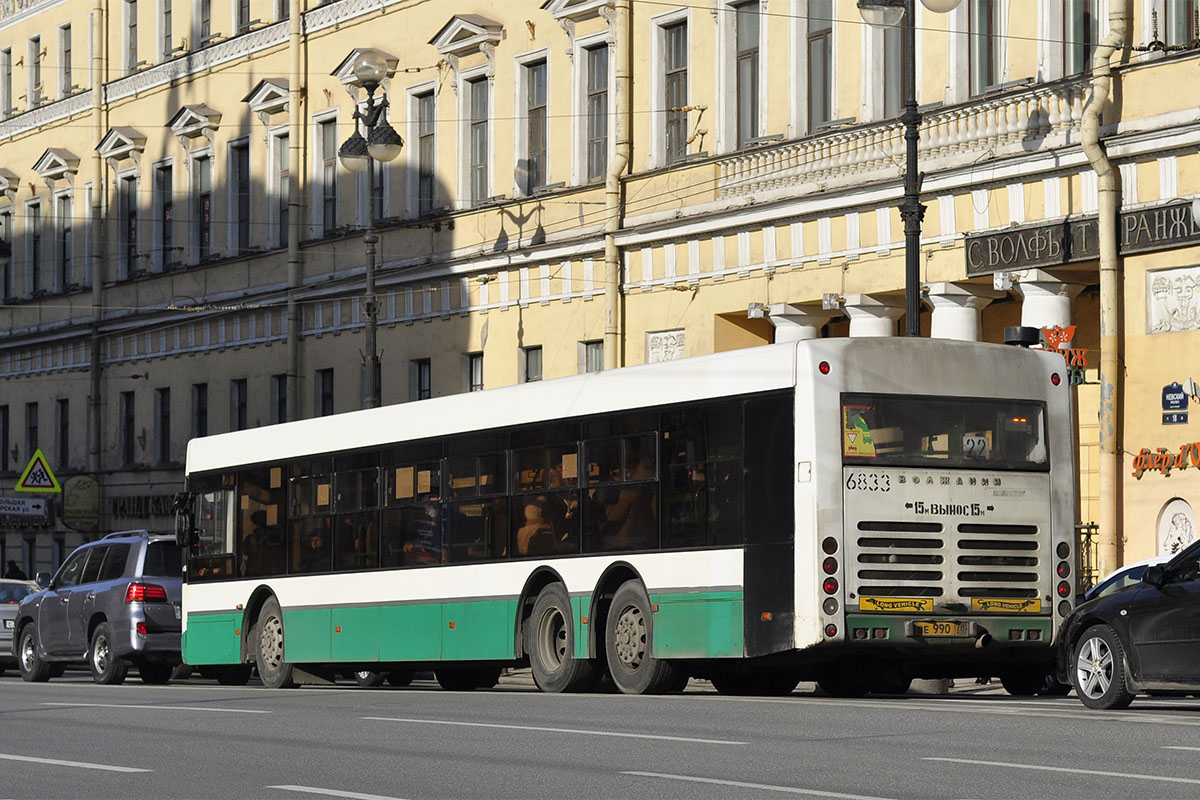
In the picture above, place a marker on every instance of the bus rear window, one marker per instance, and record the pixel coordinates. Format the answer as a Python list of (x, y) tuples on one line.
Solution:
[(906, 430)]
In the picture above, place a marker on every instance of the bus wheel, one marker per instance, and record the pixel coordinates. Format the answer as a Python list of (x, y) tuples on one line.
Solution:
[(155, 672), (274, 671), (1022, 683), (763, 684), (400, 677), (234, 675), (629, 644), (841, 685), (467, 680), (550, 643), (367, 678)]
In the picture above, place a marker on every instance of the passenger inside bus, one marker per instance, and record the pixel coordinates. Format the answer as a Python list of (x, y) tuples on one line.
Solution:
[(632, 517), (535, 537)]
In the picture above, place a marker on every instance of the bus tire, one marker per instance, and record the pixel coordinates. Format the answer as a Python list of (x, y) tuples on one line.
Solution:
[(155, 672), (234, 675), (400, 677), (550, 643), (1098, 669), (107, 668), (778, 683), (272, 669), (841, 685), (467, 680), (30, 664), (1022, 683), (365, 677), (629, 644)]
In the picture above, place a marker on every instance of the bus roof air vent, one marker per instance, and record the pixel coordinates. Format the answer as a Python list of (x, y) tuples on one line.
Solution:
[(1022, 335)]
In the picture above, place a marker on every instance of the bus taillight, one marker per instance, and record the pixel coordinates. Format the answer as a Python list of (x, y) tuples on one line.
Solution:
[(831, 630), (829, 545), (830, 566), (1064, 589), (830, 585), (1054, 379), (1064, 549), (1064, 569), (824, 367)]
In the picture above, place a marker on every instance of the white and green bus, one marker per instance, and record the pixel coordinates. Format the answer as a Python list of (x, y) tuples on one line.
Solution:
[(859, 512)]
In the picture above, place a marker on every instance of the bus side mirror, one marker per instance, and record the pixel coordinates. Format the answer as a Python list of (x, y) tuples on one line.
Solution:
[(1154, 576)]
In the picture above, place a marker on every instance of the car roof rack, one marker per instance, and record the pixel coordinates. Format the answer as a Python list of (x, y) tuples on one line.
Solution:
[(142, 533)]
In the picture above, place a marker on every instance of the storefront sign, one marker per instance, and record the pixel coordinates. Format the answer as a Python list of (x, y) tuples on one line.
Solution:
[(1072, 240), (1164, 460), (146, 505)]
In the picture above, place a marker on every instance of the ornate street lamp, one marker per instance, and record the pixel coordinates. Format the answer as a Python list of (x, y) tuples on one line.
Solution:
[(382, 143), (886, 14)]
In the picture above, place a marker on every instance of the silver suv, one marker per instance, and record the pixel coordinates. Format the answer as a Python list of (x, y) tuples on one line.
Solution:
[(114, 603)]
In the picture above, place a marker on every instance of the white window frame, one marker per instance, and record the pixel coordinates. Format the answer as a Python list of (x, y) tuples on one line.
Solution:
[(55, 199), (726, 71), (124, 268), (64, 67), (88, 253), (160, 256), (231, 222), (197, 31), (26, 237), (317, 220), (276, 138), (1052, 33), (521, 63), (193, 205), (465, 79), (6, 90), (128, 67), (656, 152), (35, 89), (160, 29), (579, 91), (412, 191)]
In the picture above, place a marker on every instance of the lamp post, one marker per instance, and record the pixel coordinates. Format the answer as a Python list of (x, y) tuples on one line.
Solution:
[(886, 14), (357, 153)]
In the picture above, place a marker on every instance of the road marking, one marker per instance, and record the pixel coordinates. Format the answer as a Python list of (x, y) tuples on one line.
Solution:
[(81, 764), (1043, 768), (156, 708), (1180, 747), (744, 785), (554, 730), (334, 793)]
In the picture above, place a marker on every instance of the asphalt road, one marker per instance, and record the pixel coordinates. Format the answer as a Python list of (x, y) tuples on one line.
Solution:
[(195, 739)]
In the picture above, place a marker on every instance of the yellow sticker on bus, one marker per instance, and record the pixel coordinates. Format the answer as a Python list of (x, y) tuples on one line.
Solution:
[(1006, 605), (923, 604)]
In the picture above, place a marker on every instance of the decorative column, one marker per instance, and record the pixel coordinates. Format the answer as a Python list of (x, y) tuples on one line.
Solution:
[(1046, 300), (795, 323), (872, 316), (957, 308)]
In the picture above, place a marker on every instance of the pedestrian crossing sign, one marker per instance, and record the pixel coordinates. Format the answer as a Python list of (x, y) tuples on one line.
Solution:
[(38, 477)]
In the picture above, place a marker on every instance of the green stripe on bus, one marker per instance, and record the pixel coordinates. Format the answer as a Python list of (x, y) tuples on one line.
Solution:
[(698, 625), (212, 639), (997, 626)]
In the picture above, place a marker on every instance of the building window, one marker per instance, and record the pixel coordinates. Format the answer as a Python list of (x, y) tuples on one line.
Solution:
[(675, 40), (532, 368), (199, 410), (4, 445), (131, 43), (34, 60), (984, 25), (127, 213), (421, 379), (820, 62), (474, 372), (597, 112), (282, 191), (747, 23), (480, 150), (329, 146), (202, 207), (426, 155), (31, 429), (278, 398), (237, 404), (6, 98), (282, 10), (62, 450), (1081, 33), (591, 356), (893, 71), (243, 16), (66, 85), (162, 426), (239, 158), (64, 246), (536, 126), (1179, 25), (205, 21), (164, 194), (324, 392), (6, 270), (33, 235), (126, 429), (167, 46)]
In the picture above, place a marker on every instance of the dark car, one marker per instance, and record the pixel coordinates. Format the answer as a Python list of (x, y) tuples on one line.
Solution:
[(113, 604), (1144, 637)]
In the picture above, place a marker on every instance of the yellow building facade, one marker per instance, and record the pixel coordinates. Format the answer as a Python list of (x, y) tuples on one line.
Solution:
[(585, 184)]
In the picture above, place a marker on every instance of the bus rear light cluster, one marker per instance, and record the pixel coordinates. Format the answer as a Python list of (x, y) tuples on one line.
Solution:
[(1063, 550), (831, 630), (829, 545), (1064, 589), (830, 585), (860, 633), (1064, 608), (824, 367), (145, 593), (830, 606), (830, 565), (1064, 569), (1054, 379)]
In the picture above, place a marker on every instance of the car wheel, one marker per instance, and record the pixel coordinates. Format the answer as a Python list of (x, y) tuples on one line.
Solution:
[(1099, 669), (32, 668), (107, 668), (274, 671), (155, 672)]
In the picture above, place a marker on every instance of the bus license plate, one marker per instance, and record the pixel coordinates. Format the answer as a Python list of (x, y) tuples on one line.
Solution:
[(942, 628)]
